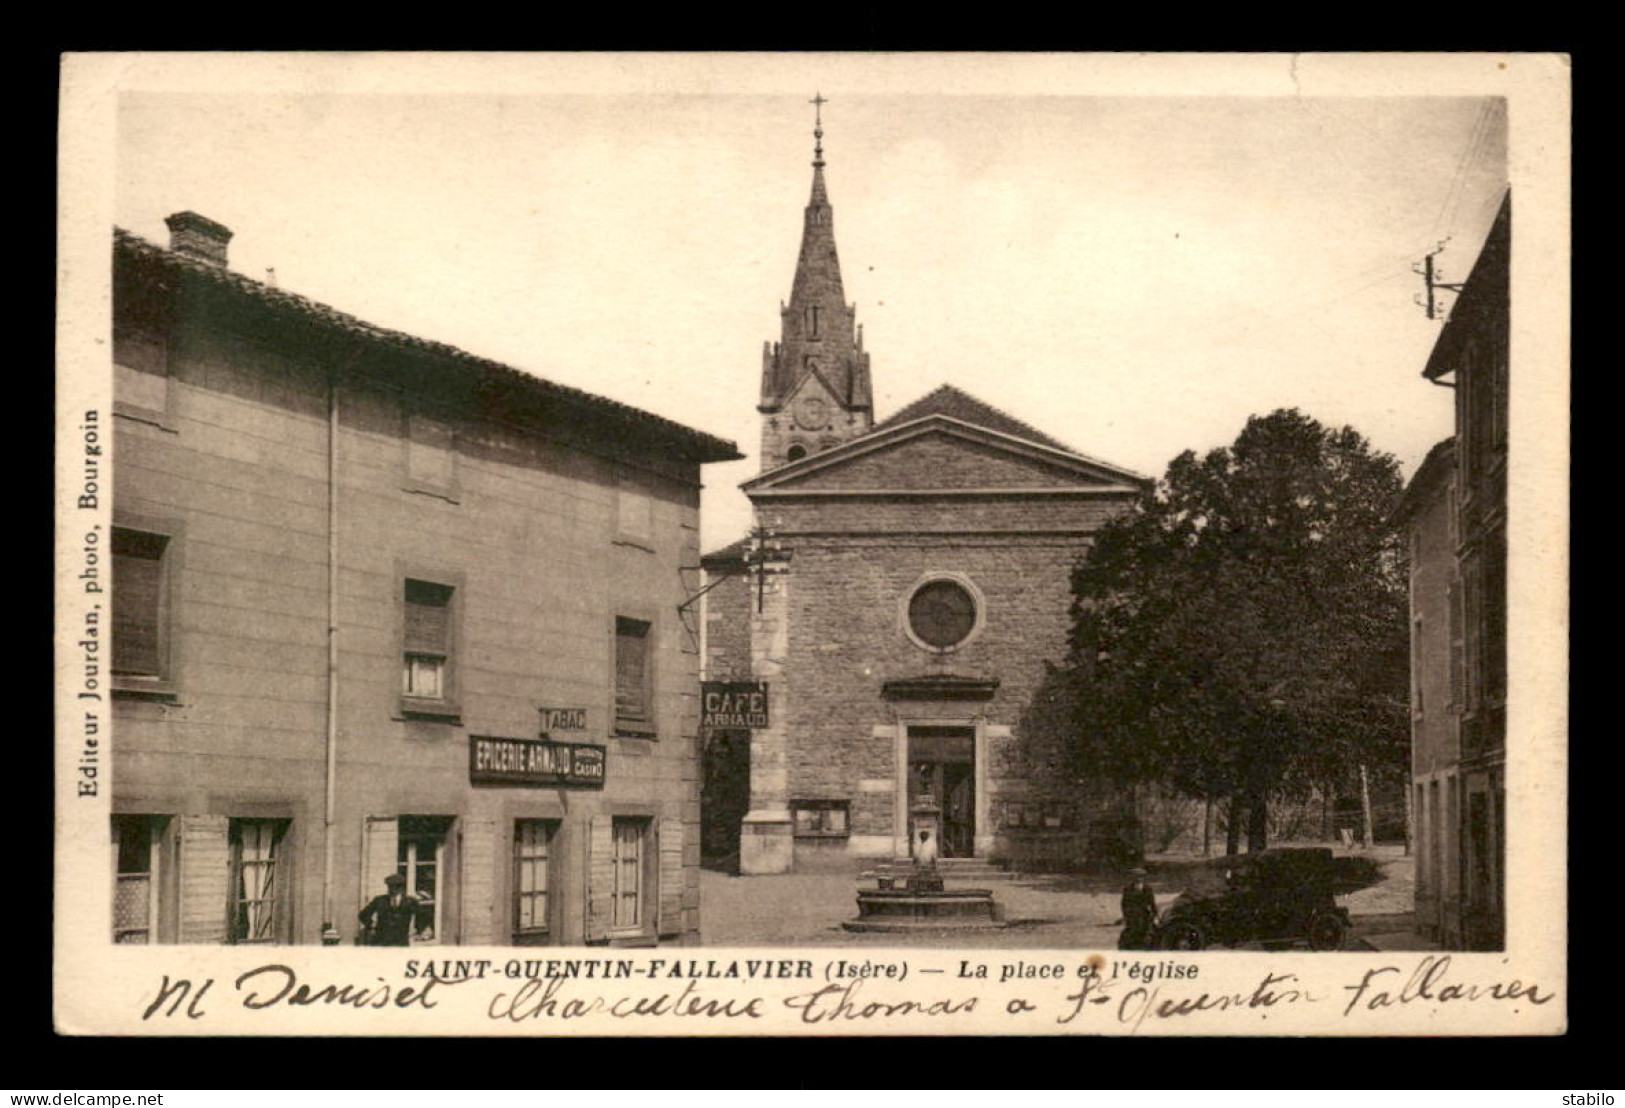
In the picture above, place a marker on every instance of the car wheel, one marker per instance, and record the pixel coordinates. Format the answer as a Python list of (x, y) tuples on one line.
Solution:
[(1183, 935), (1326, 932)]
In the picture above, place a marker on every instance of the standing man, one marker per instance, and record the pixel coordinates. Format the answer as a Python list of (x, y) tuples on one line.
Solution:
[(390, 919), (1139, 913)]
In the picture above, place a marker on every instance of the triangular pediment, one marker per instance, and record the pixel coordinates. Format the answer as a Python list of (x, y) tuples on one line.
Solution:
[(938, 453)]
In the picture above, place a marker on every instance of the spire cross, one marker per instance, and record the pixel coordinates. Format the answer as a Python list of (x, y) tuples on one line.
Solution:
[(818, 101)]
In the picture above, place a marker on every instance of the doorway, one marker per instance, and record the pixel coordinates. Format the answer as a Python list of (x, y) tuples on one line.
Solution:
[(942, 762), (724, 796)]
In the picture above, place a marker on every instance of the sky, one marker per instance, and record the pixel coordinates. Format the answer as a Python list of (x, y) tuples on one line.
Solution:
[(1133, 275)]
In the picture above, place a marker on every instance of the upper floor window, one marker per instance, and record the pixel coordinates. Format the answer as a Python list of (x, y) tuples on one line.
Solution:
[(431, 457), (634, 513), (140, 608), (140, 374), (634, 677), (428, 640)]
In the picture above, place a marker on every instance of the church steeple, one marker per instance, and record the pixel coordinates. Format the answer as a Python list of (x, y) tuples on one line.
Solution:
[(820, 350)]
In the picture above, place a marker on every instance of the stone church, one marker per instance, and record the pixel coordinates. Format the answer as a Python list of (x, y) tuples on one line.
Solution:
[(900, 596)]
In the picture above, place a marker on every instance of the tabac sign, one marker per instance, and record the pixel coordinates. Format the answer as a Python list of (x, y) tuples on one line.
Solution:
[(494, 761), (733, 704), (563, 719)]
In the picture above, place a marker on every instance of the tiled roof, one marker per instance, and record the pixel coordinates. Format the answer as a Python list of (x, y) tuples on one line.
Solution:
[(703, 447), (732, 552), (1435, 468), (949, 401)]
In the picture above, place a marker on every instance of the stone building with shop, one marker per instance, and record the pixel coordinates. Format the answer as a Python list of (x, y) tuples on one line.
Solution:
[(384, 607), (903, 591), (1454, 511)]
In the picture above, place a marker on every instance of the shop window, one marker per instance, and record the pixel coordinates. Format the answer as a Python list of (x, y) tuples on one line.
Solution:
[(532, 880), (419, 857), (135, 878), (632, 856), (427, 669), (257, 894), (634, 678), (140, 609), (821, 819)]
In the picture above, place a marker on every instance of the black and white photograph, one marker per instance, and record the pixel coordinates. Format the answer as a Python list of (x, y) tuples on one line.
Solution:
[(868, 544)]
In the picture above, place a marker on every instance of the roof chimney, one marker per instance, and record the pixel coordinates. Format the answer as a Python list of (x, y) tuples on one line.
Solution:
[(198, 237)]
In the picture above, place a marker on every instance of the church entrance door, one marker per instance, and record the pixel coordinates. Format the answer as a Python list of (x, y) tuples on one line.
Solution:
[(942, 762)]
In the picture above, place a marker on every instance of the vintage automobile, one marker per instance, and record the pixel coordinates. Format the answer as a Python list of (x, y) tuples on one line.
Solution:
[(1276, 897)]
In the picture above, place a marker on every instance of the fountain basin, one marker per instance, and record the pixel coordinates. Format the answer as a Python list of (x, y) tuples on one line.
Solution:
[(923, 910)]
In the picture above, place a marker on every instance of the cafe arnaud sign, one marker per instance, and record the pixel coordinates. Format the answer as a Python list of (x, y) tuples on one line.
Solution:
[(494, 761), (733, 704)]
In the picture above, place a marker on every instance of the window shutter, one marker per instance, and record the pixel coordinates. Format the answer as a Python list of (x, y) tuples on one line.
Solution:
[(380, 838), (479, 874), (671, 877), (427, 617), (138, 598), (631, 669), (600, 878), (1458, 692), (205, 879)]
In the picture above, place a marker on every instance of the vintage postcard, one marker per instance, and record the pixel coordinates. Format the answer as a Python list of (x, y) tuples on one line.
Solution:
[(820, 544)]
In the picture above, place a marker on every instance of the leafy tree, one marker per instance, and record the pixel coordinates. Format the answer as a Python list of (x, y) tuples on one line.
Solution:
[(1242, 631)]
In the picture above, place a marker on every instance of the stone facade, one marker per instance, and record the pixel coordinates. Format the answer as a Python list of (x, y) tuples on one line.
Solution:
[(1459, 757), (267, 447), (1436, 694), (836, 598)]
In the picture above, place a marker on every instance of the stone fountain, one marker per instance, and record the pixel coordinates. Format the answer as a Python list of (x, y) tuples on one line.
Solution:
[(917, 900)]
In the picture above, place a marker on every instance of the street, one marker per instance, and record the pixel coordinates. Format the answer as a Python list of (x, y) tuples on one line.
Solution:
[(1044, 911)]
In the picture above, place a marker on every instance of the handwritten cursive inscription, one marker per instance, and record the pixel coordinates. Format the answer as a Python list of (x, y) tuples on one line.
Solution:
[(282, 986), (1429, 983), (1138, 1004), (710, 991), (840, 1002), (539, 999)]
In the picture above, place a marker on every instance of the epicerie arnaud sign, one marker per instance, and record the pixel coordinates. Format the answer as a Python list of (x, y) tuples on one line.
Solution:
[(733, 703), (494, 761)]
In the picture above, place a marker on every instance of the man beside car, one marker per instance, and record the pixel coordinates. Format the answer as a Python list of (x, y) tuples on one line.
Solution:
[(1139, 913)]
